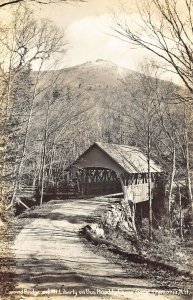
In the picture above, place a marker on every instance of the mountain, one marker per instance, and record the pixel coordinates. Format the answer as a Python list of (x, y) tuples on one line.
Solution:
[(100, 82), (99, 72), (89, 99), (105, 91), (94, 101)]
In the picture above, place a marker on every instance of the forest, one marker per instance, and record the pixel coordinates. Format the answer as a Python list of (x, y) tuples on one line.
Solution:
[(49, 116)]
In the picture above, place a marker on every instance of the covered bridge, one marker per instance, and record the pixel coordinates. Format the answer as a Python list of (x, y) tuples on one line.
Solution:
[(110, 168)]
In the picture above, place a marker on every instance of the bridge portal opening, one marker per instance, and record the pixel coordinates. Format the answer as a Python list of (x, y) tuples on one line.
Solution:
[(97, 181)]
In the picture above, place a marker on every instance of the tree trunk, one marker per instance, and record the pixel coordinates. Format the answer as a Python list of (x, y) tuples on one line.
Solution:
[(189, 183), (44, 156), (189, 179), (51, 162), (149, 181), (42, 174), (171, 185), (25, 140), (180, 205)]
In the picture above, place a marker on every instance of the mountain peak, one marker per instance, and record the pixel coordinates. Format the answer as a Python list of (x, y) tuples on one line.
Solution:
[(98, 72), (102, 63), (99, 62)]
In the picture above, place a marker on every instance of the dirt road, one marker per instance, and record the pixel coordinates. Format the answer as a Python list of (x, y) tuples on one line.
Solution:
[(53, 260)]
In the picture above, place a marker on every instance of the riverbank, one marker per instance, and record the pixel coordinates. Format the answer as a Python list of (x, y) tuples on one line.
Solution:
[(170, 270)]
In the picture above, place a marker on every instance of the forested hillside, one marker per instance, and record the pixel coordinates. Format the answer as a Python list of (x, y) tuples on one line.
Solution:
[(50, 117), (96, 101)]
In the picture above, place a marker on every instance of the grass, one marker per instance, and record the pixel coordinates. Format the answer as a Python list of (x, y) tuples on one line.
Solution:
[(7, 261)]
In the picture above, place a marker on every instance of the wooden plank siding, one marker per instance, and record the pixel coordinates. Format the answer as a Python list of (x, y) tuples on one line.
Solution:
[(109, 168)]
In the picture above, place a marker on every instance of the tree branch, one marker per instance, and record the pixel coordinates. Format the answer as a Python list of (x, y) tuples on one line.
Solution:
[(12, 2)]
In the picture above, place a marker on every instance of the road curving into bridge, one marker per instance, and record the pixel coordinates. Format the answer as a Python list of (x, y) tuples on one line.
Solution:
[(53, 262)]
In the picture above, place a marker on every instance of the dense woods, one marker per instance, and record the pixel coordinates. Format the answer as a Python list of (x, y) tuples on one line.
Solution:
[(165, 30), (50, 117)]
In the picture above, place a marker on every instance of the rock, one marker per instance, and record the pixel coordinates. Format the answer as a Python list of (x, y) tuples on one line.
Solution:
[(99, 232)]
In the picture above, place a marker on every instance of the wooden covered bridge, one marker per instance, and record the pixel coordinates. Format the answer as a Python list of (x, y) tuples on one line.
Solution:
[(110, 168)]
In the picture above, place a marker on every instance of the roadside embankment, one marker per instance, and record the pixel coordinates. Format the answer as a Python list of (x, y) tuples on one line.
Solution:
[(167, 260)]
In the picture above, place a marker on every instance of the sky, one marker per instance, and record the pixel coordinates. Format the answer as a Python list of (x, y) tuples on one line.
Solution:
[(89, 31)]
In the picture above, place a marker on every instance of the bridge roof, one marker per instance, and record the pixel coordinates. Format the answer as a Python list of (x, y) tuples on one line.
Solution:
[(129, 159)]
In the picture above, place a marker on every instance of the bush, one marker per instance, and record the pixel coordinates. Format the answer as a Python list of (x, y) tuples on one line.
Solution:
[(164, 245)]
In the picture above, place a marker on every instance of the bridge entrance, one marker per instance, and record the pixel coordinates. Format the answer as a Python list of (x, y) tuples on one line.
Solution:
[(96, 181)]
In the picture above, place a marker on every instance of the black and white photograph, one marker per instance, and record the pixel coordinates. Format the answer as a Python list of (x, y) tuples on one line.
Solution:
[(96, 149)]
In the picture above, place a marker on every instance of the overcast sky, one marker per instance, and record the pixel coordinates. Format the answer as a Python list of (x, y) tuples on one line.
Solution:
[(89, 31)]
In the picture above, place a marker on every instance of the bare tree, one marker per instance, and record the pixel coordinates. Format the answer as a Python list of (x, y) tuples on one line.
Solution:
[(54, 130), (165, 29), (144, 119), (25, 42), (167, 124), (12, 2)]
